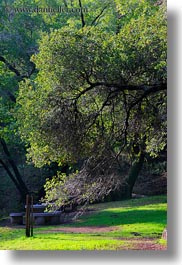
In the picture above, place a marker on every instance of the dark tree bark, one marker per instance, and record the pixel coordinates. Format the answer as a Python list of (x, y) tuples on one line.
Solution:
[(81, 13), (16, 177), (10, 66), (10, 174), (133, 174), (98, 16), (17, 72)]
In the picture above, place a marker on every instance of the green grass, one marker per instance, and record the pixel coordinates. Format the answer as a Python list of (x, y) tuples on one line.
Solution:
[(59, 241), (139, 218)]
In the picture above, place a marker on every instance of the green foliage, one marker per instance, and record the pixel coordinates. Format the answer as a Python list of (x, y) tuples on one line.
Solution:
[(8, 125), (156, 168), (54, 192), (88, 85), (70, 62)]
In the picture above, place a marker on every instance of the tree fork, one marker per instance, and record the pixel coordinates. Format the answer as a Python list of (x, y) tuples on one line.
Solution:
[(14, 167), (18, 186), (10, 174)]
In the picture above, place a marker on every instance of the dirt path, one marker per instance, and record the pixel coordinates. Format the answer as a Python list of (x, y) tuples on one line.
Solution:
[(144, 244), (148, 245), (133, 243), (82, 230)]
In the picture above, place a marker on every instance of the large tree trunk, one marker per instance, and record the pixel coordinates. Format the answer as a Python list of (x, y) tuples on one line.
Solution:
[(133, 174)]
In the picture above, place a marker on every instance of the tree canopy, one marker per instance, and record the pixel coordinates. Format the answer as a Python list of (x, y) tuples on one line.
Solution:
[(92, 87), (94, 84)]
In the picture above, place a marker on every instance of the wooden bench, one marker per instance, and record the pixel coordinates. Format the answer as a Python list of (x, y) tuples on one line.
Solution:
[(38, 208), (47, 218), (16, 218)]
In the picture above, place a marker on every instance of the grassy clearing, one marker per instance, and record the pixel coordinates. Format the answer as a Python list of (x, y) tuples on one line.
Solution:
[(133, 220), (60, 241)]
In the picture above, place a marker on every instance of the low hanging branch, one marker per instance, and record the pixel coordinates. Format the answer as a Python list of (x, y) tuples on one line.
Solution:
[(97, 178)]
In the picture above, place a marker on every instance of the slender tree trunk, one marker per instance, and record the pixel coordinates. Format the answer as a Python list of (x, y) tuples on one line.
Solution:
[(81, 13), (16, 183), (133, 174), (10, 174), (16, 178)]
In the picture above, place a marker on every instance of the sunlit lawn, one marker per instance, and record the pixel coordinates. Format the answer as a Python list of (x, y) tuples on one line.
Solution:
[(139, 218)]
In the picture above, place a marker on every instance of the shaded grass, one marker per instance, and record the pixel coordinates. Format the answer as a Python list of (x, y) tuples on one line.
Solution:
[(130, 217), (139, 218), (131, 203)]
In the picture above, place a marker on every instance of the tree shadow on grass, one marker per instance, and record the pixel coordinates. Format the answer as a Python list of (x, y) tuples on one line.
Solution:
[(135, 202), (110, 218)]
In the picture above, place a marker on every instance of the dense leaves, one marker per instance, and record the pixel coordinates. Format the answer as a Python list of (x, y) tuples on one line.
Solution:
[(96, 89), (92, 87)]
